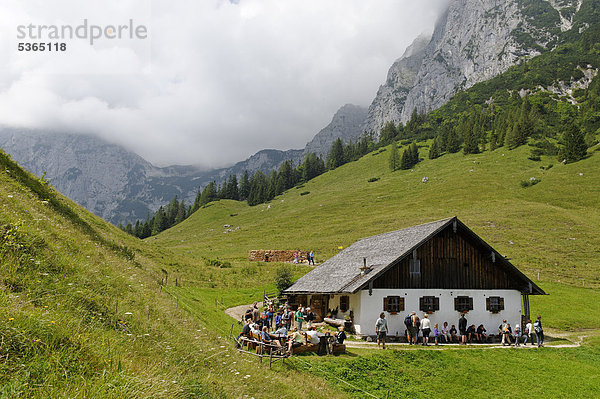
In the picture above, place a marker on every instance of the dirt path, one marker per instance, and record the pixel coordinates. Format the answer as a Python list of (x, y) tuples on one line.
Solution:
[(238, 311)]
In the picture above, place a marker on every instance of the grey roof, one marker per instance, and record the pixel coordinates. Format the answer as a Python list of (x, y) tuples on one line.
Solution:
[(341, 273)]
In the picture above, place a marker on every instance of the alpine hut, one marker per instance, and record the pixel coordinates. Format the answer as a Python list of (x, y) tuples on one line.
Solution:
[(440, 268)]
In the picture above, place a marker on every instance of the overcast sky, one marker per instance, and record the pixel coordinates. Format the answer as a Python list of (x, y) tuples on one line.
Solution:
[(213, 81)]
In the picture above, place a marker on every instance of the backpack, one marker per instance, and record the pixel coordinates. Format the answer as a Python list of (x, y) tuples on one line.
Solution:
[(417, 321), (537, 327), (408, 321)]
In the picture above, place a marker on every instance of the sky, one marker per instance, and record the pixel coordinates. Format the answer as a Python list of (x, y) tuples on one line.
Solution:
[(202, 82)]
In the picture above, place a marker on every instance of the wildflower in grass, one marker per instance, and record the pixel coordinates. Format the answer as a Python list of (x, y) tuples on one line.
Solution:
[(52, 322), (11, 318)]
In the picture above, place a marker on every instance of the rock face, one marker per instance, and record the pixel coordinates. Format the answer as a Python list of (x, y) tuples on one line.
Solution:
[(391, 96), (472, 42), (106, 179), (346, 124)]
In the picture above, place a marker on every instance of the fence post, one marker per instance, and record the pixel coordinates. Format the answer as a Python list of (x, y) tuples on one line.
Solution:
[(177, 302)]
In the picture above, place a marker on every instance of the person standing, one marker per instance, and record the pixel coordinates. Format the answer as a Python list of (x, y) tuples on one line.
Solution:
[(287, 318), (517, 334), (381, 329), (528, 332), (462, 328), (426, 325), (311, 258), (309, 318), (539, 331), (299, 318), (295, 257), (414, 331)]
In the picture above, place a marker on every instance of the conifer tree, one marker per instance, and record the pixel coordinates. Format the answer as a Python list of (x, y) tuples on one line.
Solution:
[(335, 157), (208, 194), (453, 142), (160, 222), (405, 161), (181, 212), (434, 150), (394, 157), (388, 133), (574, 147), (244, 186), (414, 154)]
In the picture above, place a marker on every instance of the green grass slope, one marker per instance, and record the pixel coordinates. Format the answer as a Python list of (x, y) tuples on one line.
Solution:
[(82, 313), (549, 231), (550, 228)]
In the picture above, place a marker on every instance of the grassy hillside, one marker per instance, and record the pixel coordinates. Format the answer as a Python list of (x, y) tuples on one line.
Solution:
[(548, 228), (82, 313)]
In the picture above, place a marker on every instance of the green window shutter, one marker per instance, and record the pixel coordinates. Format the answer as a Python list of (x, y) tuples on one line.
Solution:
[(487, 304)]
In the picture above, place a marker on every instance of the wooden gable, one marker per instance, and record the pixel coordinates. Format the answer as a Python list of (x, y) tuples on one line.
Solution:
[(452, 260)]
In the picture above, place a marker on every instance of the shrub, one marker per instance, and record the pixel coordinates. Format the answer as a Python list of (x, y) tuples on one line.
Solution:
[(531, 182), (283, 278), (218, 263), (305, 193), (373, 179)]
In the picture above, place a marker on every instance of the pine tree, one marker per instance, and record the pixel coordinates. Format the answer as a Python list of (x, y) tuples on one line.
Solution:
[(414, 154), (244, 186), (160, 222), (394, 157), (405, 161), (388, 133), (335, 157), (453, 142), (208, 194), (574, 147), (434, 150), (181, 212)]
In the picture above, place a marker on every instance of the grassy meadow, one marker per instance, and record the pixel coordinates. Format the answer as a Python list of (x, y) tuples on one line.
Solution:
[(548, 230), (83, 314)]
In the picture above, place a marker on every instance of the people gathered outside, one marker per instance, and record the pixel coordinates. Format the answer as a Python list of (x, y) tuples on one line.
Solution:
[(517, 335), (445, 333), (299, 318), (528, 333), (309, 317), (482, 334)]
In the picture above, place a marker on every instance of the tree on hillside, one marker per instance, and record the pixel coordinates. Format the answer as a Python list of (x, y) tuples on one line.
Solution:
[(434, 150), (335, 157), (452, 141), (208, 194), (405, 160), (244, 186), (160, 222), (388, 133), (413, 153), (574, 147), (394, 157)]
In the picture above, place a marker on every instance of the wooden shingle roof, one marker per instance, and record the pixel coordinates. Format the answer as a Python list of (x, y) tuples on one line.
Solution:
[(342, 273)]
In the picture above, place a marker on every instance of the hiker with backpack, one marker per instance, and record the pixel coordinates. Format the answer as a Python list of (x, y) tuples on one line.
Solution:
[(412, 324), (539, 331)]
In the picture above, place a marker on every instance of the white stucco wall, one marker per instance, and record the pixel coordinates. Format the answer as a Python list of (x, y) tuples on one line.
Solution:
[(367, 311)]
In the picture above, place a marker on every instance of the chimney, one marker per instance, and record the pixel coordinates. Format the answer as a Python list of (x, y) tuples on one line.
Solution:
[(364, 269)]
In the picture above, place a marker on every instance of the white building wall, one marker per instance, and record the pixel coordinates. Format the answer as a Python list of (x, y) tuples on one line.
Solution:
[(372, 305)]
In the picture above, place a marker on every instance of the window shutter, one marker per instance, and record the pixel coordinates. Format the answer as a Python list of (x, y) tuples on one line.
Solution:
[(456, 303), (501, 303), (401, 304), (487, 304), (470, 303), (385, 304), (422, 304), (436, 303)]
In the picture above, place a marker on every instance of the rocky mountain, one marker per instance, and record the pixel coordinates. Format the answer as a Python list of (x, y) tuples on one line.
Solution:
[(105, 178), (472, 42), (346, 124)]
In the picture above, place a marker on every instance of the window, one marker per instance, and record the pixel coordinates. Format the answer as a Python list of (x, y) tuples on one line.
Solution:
[(393, 304), (344, 303), (429, 304), (415, 266), (463, 303), (494, 304)]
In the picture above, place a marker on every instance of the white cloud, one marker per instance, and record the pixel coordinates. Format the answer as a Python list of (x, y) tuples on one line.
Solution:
[(215, 81)]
